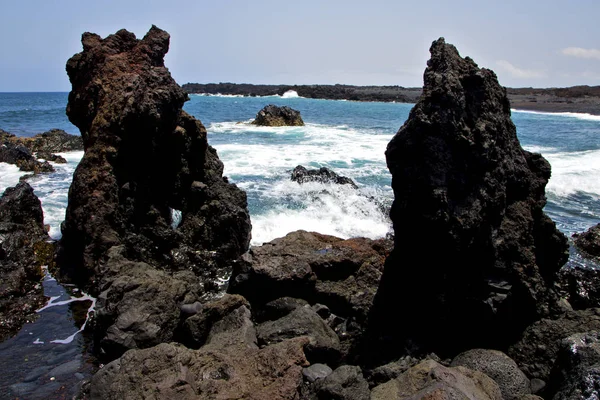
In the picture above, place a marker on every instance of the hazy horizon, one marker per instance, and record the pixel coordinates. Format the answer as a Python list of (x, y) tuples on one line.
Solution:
[(527, 43)]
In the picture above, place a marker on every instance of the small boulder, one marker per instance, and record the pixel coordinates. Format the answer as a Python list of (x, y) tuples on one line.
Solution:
[(316, 371), (324, 175), (272, 115), (345, 383), (431, 380), (324, 344), (502, 369)]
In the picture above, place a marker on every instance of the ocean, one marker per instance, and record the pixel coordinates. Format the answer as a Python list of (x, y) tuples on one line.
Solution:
[(348, 137)]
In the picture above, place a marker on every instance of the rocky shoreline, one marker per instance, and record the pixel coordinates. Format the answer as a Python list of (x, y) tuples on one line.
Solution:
[(576, 99), (467, 300)]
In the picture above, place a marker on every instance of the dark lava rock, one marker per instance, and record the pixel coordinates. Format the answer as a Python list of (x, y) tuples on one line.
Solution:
[(229, 365), (501, 368), (473, 247), (588, 242), (316, 371), (536, 352), (13, 152), (145, 158), (22, 242), (278, 116), (430, 380), (53, 141), (324, 345), (345, 383), (196, 328), (51, 157), (576, 373), (341, 274), (324, 175), (581, 286)]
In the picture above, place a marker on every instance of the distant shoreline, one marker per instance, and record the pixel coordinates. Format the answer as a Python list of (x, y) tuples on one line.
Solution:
[(576, 99)]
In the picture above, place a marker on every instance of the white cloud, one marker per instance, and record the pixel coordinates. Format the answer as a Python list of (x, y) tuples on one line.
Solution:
[(519, 72), (581, 52)]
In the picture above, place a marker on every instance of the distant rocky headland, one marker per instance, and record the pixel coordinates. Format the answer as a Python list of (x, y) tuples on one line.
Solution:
[(581, 99)]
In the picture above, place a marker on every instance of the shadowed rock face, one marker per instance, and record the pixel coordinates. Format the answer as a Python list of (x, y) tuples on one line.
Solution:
[(474, 254), (144, 157), (22, 244)]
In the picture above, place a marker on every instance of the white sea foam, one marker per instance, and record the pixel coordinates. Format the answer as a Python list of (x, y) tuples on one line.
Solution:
[(9, 176), (175, 218), (52, 189), (290, 94), (575, 172), (540, 149), (583, 116), (358, 153), (338, 210)]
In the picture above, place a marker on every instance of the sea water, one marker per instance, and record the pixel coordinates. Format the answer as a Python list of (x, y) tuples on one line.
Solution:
[(348, 137)]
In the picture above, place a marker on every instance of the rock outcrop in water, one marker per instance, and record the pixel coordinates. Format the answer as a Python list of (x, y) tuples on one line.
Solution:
[(589, 242), (475, 256), (146, 161), (278, 116), (301, 174), (13, 151), (22, 247)]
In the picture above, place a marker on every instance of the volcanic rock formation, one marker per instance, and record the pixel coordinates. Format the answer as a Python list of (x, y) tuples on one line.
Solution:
[(278, 116), (301, 175), (475, 256), (149, 210), (22, 245)]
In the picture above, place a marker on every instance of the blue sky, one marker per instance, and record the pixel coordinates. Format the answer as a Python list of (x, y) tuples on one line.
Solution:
[(528, 43)]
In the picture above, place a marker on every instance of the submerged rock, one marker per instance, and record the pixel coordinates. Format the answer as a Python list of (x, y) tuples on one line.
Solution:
[(145, 160), (473, 248), (22, 241), (272, 115), (324, 175)]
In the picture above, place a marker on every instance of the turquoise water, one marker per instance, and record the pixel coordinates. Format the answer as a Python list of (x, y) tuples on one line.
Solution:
[(349, 137)]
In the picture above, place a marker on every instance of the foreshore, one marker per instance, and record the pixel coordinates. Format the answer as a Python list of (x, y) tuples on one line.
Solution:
[(576, 99)]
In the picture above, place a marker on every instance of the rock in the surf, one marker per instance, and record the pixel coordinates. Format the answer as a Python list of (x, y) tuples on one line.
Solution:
[(301, 174), (12, 151), (22, 243), (272, 115), (145, 162), (474, 250), (588, 242)]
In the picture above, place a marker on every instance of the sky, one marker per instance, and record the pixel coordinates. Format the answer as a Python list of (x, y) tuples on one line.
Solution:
[(376, 42)]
